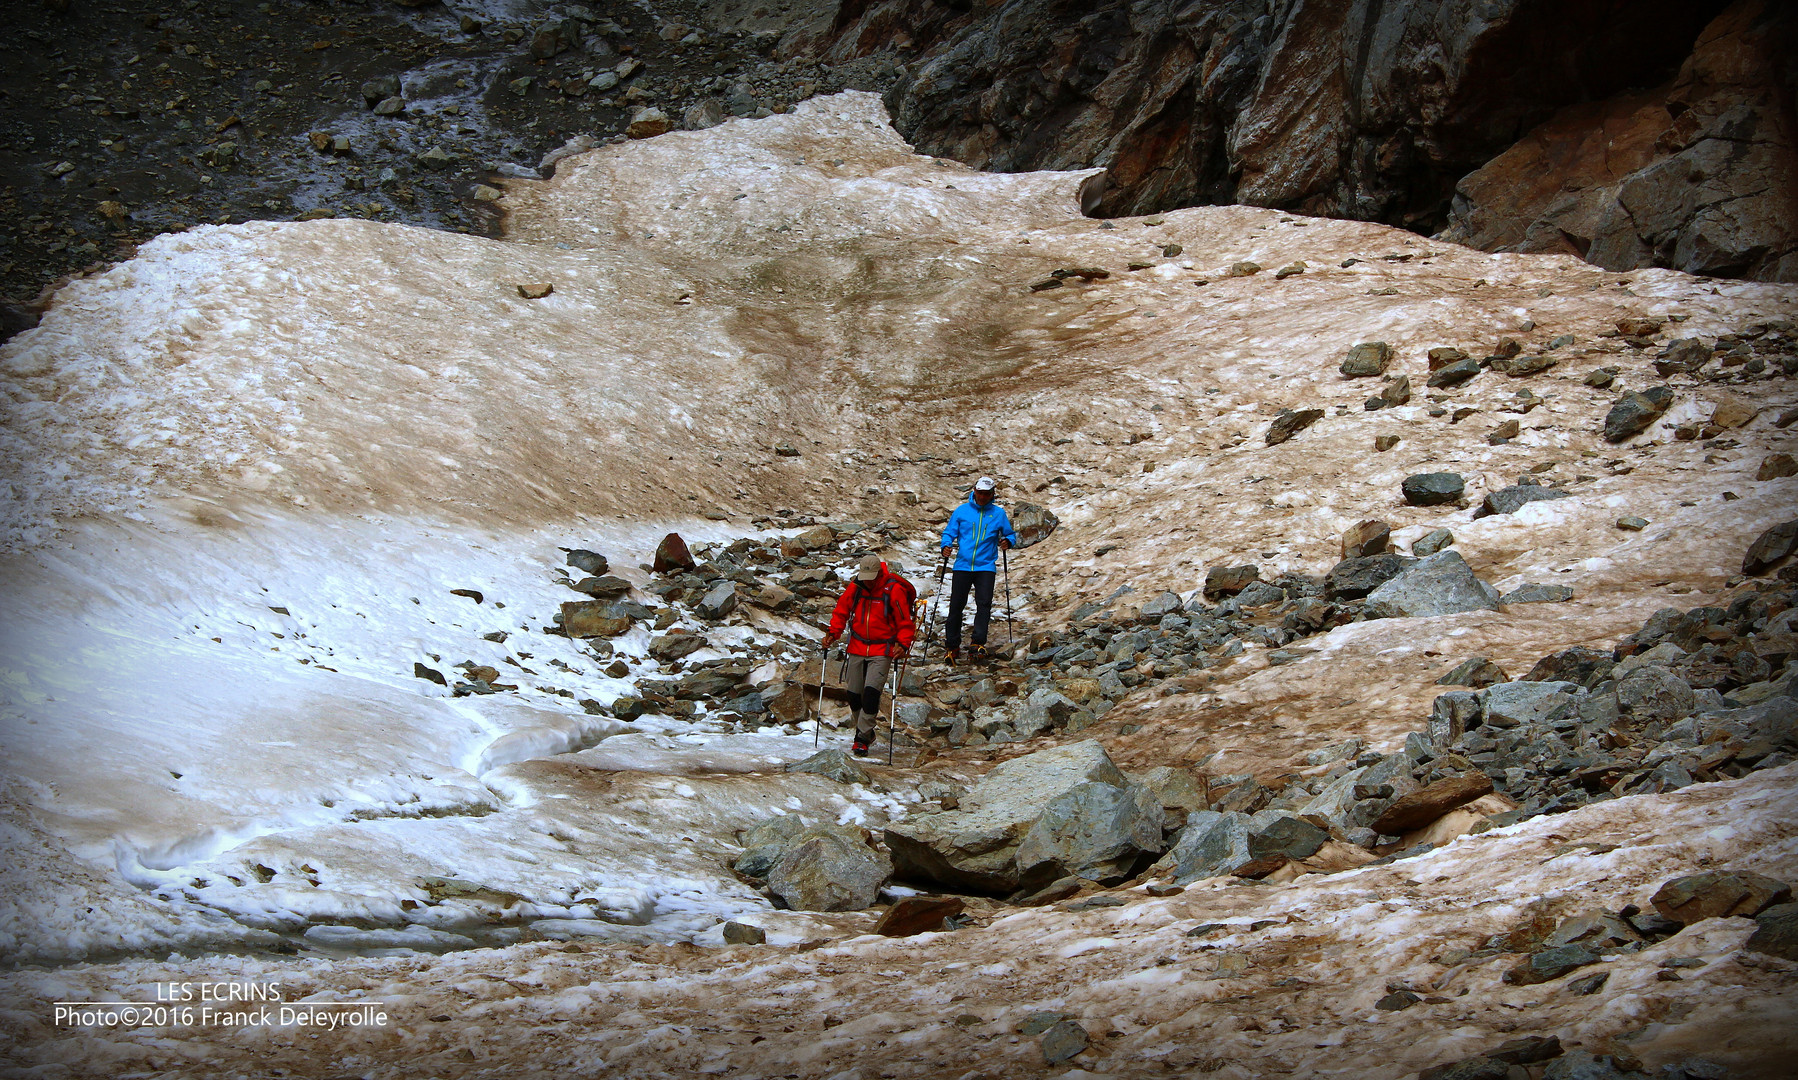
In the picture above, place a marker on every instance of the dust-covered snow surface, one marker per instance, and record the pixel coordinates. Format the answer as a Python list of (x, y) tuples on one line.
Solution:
[(243, 472)]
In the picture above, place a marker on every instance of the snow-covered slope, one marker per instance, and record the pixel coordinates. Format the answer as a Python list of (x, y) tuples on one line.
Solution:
[(245, 469)]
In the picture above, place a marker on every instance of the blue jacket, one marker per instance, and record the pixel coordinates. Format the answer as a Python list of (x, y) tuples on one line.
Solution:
[(975, 534)]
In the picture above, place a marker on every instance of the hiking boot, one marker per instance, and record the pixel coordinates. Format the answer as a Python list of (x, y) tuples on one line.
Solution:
[(952, 657), (860, 748), (978, 654)]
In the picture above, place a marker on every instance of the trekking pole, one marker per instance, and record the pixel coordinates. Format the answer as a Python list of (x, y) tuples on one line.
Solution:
[(935, 598), (818, 724), (1010, 631), (893, 704)]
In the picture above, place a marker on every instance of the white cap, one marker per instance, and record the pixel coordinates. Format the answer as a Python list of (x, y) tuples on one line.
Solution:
[(985, 483)]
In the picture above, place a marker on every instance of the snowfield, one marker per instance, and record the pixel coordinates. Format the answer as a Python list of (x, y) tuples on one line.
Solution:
[(244, 470)]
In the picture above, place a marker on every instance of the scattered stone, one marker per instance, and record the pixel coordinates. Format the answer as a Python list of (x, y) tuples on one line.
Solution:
[(1639, 326), (1383, 443), (1770, 548), (1444, 355), (1395, 393), (719, 601), (1419, 808), (1290, 422), (830, 868), (1511, 499), (1063, 1041), (1549, 964), (536, 290), (1212, 843), (392, 106), (1633, 412), (1651, 692), (1537, 594), (1229, 580), (376, 90), (1775, 466), (1632, 524), (833, 764), (1433, 489), (1600, 378), (1523, 366), (647, 122), (736, 933), (1094, 830), (675, 644), (1453, 374), (1431, 542), (1719, 894), (672, 555), (602, 588), (1503, 433), (1364, 540), (1776, 932), (1032, 524), (588, 562), (1397, 1001), (419, 671), (765, 843), (1243, 269), (1528, 1050), (1289, 270), (1475, 671), (1473, 1068), (593, 618), (1367, 359)]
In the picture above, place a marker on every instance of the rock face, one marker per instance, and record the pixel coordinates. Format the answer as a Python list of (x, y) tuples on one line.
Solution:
[(829, 868), (1377, 112), (1032, 523), (1679, 176), (977, 848)]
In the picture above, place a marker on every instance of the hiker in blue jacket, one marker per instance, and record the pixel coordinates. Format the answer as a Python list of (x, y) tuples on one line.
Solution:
[(977, 530)]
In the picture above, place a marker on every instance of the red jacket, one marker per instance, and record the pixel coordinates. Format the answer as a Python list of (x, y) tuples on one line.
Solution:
[(877, 615)]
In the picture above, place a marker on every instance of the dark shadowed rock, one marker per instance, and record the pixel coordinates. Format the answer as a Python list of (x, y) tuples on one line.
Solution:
[(1284, 833), (1431, 542), (1290, 422), (1770, 548), (1063, 1041), (1775, 466), (918, 915), (1578, 664), (1433, 489), (1776, 932), (1654, 693), (1352, 579), (736, 933), (829, 868), (1537, 594), (1719, 894), (590, 562), (672, 555), (1550, 964), (1473, 1068), (1633, 412), (1439, 584), (1527, 1050), (1454, 374), (1475, 671), (602, 588)]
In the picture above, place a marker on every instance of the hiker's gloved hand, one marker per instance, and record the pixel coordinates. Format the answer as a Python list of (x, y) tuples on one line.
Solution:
[(1005, 545), (829, 640), (946, 552)]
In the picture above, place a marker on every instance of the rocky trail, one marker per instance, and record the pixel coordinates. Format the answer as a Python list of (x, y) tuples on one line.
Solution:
[(1401, 678)]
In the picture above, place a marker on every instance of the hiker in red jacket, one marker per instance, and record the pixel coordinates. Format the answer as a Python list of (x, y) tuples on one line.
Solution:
[(876, 610)]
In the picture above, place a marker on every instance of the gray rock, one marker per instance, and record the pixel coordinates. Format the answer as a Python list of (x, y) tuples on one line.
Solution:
[(1095, 830), (1452, 714), (1598, 930), (764, 844), (1582, 1065), (1514, 498), (1164, 604), (1549, 964), (912, 714), (1178, 790), (1651, 692), (1063, 1041), (1633, 412), (833, 764), (602, 588), (708, 113), (380, 89), (1336, 799), (1515, 704), (720, 600), (1366, 359), (1431, 542), (1475, 671), (673, 646), (829, 868), (1281, 832), (1433, 489), (975, 848), (1770, 548), (1229, 580), (1439, 584), (589, 562), (1537, 594), (1258, 594), (1212, 843)]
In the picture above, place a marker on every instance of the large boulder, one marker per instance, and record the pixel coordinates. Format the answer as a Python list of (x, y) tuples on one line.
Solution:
[(764, 844), (1212, 843), (1433, 488), (1719, 894), (829, 868), (1229, 580), (1094, 830), (1769, 548), (1514, 704), (974, 847), (672, 555), (1439, 584), (1651, 692), (1425, 805), (1633, 412)]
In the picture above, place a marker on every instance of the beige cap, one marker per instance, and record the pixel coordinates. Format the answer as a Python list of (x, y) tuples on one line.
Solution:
[(868, 569), (985, 483)]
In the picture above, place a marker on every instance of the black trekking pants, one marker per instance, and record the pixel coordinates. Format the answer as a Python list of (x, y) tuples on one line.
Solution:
[(982, 583)]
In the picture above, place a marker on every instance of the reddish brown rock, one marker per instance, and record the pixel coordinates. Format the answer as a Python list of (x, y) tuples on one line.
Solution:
[(672, 555), (1425, 805), (1366, 539), (918, 915), (1719, 894)]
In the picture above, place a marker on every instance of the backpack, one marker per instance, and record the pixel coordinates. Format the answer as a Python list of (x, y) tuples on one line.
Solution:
[(905, 589)]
